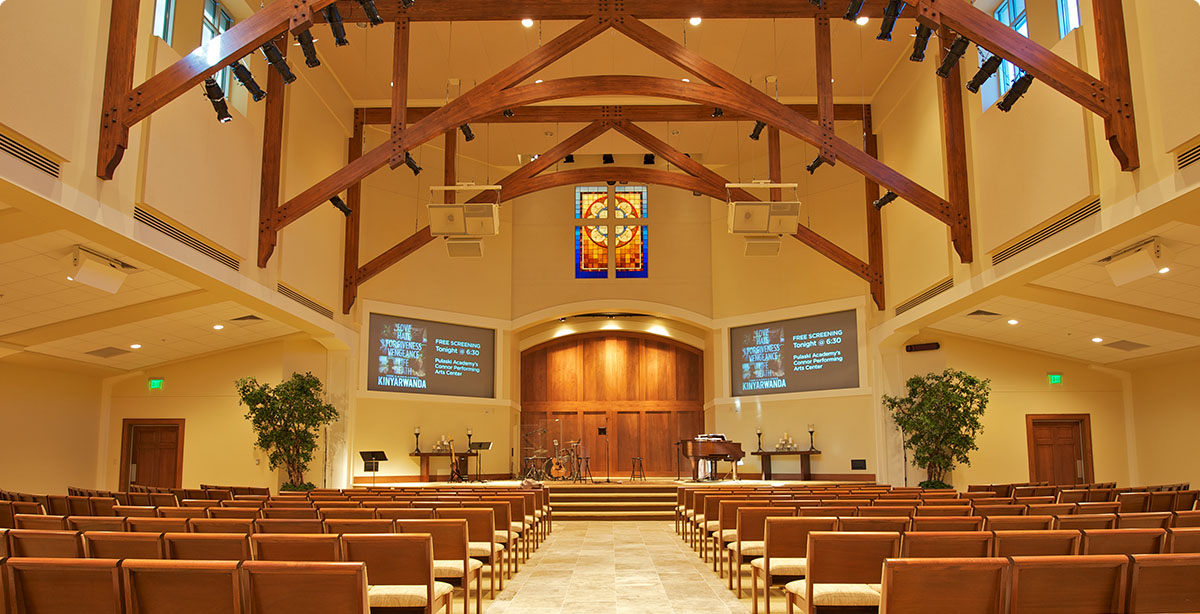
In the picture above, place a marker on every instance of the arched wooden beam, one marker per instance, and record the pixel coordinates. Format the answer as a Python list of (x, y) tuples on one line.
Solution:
[(626, 174), (468, 107)]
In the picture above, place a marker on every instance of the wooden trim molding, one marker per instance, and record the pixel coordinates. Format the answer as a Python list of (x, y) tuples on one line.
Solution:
[(1085, 430), (127, 425)]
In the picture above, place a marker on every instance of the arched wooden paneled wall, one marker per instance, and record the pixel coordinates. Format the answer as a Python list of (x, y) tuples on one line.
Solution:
[(647, 389)]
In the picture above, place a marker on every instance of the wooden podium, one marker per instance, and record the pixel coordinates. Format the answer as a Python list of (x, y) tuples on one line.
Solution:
[(462, 457), (765, 457)]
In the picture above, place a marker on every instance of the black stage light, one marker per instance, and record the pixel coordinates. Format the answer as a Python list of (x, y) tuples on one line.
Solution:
[(611, 182), (812, 166), (335, 24), (1014, 94), (885, 199), (817, 3), (985, 72), (341, 205), (509, 113), (757, 132), (570, 159), (608, 159), (243, 76), (412, 164), (275, 58), (467, 134), (213, 92), (372, 12), (648, 159), (408, 4), (853, 10), (953, 55), (717, 112), (920, 42), (890, 14), (306, 41)]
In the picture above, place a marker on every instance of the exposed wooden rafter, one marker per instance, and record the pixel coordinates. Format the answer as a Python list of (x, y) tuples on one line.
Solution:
[(544, 114), (954, 131), (353, 221), (557, 10), (272, 161), (398, 114)]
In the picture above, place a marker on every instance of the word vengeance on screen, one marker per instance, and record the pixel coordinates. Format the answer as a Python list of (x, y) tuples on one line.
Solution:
[(409, 355), (811, 353)]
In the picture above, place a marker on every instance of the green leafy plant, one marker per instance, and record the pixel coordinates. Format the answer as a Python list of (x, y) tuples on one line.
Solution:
[(286, 419), (939, 419)]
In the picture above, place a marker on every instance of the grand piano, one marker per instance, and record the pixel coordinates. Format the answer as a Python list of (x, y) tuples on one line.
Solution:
[(710, 449)]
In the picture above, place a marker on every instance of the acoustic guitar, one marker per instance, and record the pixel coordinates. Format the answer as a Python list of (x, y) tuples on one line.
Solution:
[(558, 468)]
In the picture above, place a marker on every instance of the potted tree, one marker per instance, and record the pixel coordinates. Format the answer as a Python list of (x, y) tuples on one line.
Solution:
[(286, 419), (939, 419)]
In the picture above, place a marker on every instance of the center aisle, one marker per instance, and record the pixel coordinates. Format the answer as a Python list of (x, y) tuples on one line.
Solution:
[(599, 567)]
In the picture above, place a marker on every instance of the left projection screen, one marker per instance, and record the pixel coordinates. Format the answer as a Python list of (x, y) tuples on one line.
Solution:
[(410, 355)]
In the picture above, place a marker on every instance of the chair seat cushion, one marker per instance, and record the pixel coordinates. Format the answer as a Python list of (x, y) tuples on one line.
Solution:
[(537, 513), (500, 537), (728, 535), (404, 595), (783, 566), (749, 548), (453, 568), (712, 525), (517, 527), (483, 548), (863, 595)]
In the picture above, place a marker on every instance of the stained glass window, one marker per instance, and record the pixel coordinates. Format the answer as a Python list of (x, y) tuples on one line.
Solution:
[(622, 218)]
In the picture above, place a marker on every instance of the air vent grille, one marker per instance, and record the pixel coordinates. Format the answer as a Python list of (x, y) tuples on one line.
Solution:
[(29, 156), (304, 300), (183, 237), (983, 313), (107, 352), (1128, 346), (1189, 157), (926, 295), (248, 318), (1062, 224)]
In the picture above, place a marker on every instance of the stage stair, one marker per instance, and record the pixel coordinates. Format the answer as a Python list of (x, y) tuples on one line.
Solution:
[(617, 501)]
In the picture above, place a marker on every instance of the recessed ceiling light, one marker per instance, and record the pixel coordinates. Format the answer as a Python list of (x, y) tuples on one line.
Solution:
[(69, 278), (695, 21), (687, 80), (527, 22), (135, 346), (218, 326), (862, 21), (538, 81), (1014, 322), (1097, 340), (1164, 270)]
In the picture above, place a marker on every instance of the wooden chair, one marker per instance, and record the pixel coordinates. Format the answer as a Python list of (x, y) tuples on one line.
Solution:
[(182, 512), (1183, 540), (836, 511), (480, 543), (886, 511), (292, 547), (45, 544), (79, 506), (785, 551), (399, 570), (726, 532), (1018, 523), (138, 511), (63, 586), (1086, 521), (1164, 583), (1072, 496), (501, 516), (293, 513), (1035, 543), (359, 526), (288, 525), (946, 523), (3, 553), (199, 503), (844, 568), (1144, 520), (1187, 519), (450, 555), (273, 587), (220, 525), (944, 586), (1068, 584), (405, 513), (1097, 507), (943, 510), (1131, 502), (6, 515), (111, 545), (96, 523), (103, 506), (749, 538), (249, 513), (163, 499), (44, 522), (947, 544), (1050, 509), (1000, 510), (1123, 541), (1186, 500), (207, 546), (898, 524), (347, 513), (181, 587)]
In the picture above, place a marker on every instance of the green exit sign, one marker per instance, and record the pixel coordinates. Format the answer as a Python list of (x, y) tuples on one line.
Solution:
[(1054, 378), (156, 383)]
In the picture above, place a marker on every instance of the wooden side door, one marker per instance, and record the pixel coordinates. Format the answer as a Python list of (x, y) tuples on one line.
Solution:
[(1060, 448), (152, 453)]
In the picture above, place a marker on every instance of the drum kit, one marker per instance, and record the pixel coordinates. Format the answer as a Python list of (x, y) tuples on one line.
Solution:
[(564, 464)]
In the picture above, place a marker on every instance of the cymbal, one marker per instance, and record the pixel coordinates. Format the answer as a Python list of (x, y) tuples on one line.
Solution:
[(539, 451), (573, 443)]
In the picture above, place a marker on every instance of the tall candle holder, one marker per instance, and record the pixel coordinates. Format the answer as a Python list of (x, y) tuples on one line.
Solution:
[(758, 431), (469, 433), (811, 442), (417, 437)]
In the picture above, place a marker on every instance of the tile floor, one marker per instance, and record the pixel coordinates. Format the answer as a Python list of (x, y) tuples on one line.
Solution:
[(594, 567)]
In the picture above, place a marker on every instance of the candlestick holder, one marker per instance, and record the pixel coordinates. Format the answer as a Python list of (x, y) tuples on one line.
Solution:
[(417, 437), (759, 442), (812, 446)]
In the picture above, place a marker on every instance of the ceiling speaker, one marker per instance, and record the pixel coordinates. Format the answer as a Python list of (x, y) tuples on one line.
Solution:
[(97, 272), (1135, 263), (464, 247), (762, 246), (760, 218), (466, 220)]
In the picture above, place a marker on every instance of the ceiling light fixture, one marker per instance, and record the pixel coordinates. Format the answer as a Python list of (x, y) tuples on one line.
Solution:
[(334, 18), (953, 55), (1013, 322), (217, 97), (893, 10), (862, 21), (467, 134), (527, 22), (718, 111), (246, 78), (373, 13), (1164, 270), (608, 159), (757, 132), (341, 205), (538, 81), (412, 164), (853, 10), (275, 58), (648, 159), (816, 163), (985, 72), (686, 80), (885, 199), (308, 46), (135, 346), (920, 41), (1097, 340), (1015, 92), (218, 327), (695, 21), (1137, 261), (509, 113)]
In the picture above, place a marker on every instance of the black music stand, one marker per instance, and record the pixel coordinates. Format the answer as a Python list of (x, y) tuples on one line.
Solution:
[(478, 447), (371, 460), (603, 430)]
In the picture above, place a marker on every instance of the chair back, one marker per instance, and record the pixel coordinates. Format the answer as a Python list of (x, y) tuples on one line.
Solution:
[(1130, 502), (1035, 543), (1144, 520), (220, 525), (399, 558), (961, 586), (943, 510), (1123, 541), (481, 523), (36, 585), (880, 523), (109, 545), (273, 587), (1068, 584), (96, 523), (1098, 507), (359, 526), (946, 523), (406, 513), (1050, 509), (139, 511), (294, 513), (292, 547), (45, 522), (234, 512), (181, 587), (848, 556), (449, 536), (1018, 523), (207, 546), (1164, 583), (751, 521), (103, 506), (288, 525), (347, 513), (1185, 500), (1086, 521), (947, 544), (45, 544), (886, 511), (1183, 540)]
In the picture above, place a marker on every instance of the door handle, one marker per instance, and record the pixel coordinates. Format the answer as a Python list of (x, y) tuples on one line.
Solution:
[(1079, 469)]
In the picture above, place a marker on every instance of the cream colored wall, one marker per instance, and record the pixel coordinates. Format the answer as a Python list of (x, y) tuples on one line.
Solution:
[(218, 442), (1019, 387), (50, 420), (1167, 417), (387, 424)]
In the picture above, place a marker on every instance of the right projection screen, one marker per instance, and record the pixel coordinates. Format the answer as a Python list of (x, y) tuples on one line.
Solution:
[(811, 353)]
